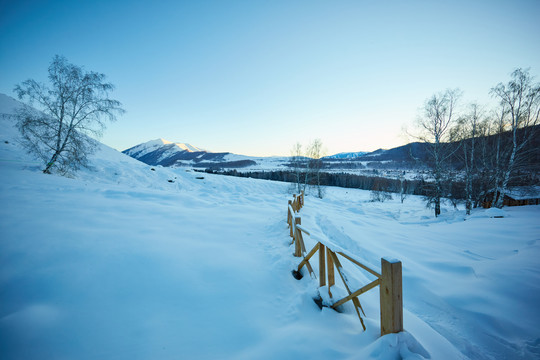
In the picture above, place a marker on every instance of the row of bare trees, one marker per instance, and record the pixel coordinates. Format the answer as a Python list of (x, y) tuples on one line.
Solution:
[(492, 145)]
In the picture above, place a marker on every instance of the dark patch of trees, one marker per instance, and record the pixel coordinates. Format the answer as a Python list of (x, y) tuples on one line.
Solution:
[(454, 188), (224, 165), (346, 180)]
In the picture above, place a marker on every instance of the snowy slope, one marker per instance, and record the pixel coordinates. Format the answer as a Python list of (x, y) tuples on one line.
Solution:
[(8, 105), (121, 263)]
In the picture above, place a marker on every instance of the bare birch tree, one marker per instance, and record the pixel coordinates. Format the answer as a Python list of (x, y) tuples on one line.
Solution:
[(467, 132), (402, 187), (315, 153), (520, 101), (435, 123), (296, 163), (70, 110)]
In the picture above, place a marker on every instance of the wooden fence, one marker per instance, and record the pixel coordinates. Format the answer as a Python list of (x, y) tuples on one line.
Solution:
[(388, 280)]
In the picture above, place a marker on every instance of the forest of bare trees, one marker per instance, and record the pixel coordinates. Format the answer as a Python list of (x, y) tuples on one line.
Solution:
[(492, 149)]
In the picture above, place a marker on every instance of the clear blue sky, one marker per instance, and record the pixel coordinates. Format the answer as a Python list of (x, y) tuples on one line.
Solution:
[(253, 77)]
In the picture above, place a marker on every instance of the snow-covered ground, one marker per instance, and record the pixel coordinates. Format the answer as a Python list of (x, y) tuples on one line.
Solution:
[(120, 263)]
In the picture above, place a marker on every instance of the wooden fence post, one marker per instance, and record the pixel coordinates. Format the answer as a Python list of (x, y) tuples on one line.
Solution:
[(331, 278), (289, 212), (391, 297), (297, 240), (322, 265)]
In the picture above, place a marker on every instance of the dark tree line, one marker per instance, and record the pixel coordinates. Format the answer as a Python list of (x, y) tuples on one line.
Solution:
[(454, 188), (346, 180)]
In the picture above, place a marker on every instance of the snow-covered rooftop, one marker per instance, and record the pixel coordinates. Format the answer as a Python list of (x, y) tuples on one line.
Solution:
[(524, 192)]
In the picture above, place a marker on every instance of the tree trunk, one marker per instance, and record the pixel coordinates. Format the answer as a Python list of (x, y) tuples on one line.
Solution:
[(51, 162), (500, 201)]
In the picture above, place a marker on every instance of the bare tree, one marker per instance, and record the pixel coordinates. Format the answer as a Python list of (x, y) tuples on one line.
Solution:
[(71, 109), (467, 132), (402, 187), (379, 190), (520, 109), (296, 163), (438, 117), (315, 153)]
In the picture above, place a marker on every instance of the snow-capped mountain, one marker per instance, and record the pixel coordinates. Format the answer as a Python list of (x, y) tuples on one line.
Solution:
[(166, 153), (153, 145), (347, 155)]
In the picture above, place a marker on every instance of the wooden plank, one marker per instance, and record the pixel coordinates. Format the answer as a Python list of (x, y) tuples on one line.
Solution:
[(291, 227), (302, 246), (330, 268), (289, 215), (298, 240), (322, 265), (355, 300), (302, 229), (391, 297), (292, 210), (360, 264), (358, 292), (308, 256), (310, 269)]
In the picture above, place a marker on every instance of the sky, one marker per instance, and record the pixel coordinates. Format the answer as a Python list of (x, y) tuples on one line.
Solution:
[(255, 77)]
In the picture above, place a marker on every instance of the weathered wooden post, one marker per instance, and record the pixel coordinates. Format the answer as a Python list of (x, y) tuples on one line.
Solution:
[(297, 238), (291, 219), (331, 278), (322, 265), (289, 203), (391, 295)]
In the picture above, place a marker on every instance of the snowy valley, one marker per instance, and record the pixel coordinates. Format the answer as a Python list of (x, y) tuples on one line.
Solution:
[(130, 261)]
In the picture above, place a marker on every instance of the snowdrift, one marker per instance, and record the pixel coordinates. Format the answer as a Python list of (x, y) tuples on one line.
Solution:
[(127, 262)]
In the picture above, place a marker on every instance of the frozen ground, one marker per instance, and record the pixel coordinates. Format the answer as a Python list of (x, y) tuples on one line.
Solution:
[(120, 263)]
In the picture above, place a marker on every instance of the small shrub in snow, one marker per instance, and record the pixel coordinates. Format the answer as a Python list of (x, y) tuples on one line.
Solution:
[(380, 196)]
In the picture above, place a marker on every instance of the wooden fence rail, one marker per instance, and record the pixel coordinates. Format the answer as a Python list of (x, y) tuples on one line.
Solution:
[(389, 280)]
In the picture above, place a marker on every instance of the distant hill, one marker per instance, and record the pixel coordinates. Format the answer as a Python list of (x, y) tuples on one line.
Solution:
[(167, 153), (410, 156), (170, 154), (404, 153), (346, 155)]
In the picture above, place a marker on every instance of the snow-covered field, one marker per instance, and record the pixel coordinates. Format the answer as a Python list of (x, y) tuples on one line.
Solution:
[(120, 263)]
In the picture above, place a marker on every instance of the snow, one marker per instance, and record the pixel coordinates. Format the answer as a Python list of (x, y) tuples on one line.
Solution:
[(347, 155), (8, 105), (152, 145), (524, 192), (492, 212), (120, 263), (188, 147)]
